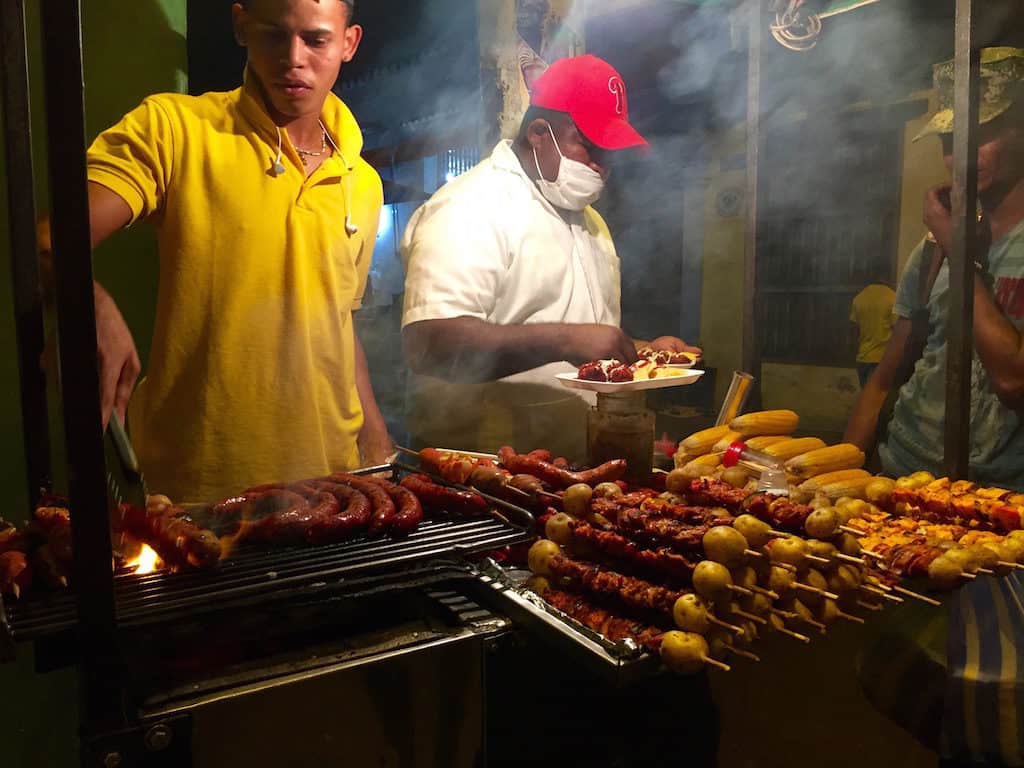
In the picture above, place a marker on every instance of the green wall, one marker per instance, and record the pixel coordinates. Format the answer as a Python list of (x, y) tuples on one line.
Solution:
[(130, 50)]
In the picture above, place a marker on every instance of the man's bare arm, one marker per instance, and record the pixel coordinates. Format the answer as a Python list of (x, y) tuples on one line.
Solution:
[(375, 444), (468, 349), (1000, 347), (891, 370)]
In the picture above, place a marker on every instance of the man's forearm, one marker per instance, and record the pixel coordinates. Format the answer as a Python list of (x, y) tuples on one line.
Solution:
[(863, 424), (374, 441), (999, 346), (470, 350)]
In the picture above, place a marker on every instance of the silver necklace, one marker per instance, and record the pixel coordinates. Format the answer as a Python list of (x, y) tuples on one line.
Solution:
[(306, 153)]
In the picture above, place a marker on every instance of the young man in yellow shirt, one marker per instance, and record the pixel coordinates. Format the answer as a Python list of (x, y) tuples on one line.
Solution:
[(872, 313), (266, 218)]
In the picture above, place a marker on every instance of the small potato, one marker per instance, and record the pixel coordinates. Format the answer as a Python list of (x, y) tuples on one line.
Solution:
[(922, 478), (576, 499), (157, 502), (559, 529), (607, 490), (538, 584), (820, 500), (737, 477), (858, 507), (879, 490), (677, 481), (539, 556), (822, 523)]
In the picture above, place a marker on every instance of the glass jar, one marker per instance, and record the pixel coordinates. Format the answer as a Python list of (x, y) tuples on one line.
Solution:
[(622, 427)]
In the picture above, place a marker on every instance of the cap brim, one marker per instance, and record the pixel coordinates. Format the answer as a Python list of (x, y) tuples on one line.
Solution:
[(614, 135), (941, 122)]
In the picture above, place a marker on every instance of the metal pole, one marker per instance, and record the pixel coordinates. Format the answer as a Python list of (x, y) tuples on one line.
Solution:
[(28, 303), (960, 340), (79, 379), (751, 350)]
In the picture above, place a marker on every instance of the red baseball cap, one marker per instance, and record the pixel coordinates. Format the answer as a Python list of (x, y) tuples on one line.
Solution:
[(594, 95)]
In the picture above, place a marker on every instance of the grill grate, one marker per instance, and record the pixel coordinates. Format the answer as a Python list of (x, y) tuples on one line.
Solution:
[(257, 576)]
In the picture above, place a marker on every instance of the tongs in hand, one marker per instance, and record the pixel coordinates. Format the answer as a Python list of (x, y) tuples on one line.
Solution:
[(124, 476)]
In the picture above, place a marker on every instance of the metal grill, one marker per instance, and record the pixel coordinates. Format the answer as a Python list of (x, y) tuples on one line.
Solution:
[(257, 576)]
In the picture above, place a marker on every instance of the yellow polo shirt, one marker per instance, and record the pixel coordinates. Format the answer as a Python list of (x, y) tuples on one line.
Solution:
[(251, 375), (872, 312)]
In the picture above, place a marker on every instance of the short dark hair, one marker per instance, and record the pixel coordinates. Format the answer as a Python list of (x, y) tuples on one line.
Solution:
[(350, 3), (552, 116)]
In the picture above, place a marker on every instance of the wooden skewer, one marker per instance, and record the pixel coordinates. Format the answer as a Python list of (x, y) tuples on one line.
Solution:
[(816, 624), (879, 585), (765, 592), (985, 571), (791, 633), (784, 614), (815, 590), (816, 559), (869, 606), (16, 591), (752, 553), (744, 654), (750, 616), (850, 617), (849, 558), (719, 623), (781, 534), (875, 555), (739, 590), (1010, 565), (882, 594), (716, 663), (967, 575), (917, 596), (850, 530), (784, 566)]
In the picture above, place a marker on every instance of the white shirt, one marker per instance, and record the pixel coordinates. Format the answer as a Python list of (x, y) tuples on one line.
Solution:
[(489, 245)]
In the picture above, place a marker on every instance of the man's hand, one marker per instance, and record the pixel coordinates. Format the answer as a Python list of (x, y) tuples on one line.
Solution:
[(938, 217), (672, 344), (118, 359), (591, 341), (375, 449)]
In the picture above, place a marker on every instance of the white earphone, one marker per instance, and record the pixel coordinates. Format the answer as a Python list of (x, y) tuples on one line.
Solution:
[(277, 169)]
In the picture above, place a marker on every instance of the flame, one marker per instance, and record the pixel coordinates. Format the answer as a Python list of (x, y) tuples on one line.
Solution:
[(145, 562)]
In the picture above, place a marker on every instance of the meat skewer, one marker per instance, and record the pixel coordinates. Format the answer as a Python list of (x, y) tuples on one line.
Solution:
[(604, 622)]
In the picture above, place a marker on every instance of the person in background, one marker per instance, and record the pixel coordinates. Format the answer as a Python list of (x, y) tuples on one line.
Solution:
[(980, 695), (871, 312), (512, 277), (266, 216)]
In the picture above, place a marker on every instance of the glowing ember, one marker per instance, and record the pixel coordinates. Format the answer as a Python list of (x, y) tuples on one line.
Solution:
[(146, 562)]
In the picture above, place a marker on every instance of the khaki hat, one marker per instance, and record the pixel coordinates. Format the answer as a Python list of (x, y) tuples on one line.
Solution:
[(1002, 83)]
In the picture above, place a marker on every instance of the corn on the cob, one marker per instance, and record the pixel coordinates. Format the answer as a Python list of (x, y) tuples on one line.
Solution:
[(855, 488), (794, 447), (727, 439), (763, 441), (765, 423), (707, 460), (831, 459), (702, 442), (818, 481)]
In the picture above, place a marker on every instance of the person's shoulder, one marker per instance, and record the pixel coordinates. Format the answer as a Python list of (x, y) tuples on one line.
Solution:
[(205, 104)]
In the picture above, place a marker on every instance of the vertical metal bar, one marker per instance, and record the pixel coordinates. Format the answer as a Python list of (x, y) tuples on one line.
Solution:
[(751, 350), (960, 324), (28, 301), (79, 379)]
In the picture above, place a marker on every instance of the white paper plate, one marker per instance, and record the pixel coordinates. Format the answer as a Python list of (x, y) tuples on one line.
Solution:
[(572, 381)]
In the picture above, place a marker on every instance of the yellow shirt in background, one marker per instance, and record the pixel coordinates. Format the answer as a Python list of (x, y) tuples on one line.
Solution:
[(251, 377), (872, 312)]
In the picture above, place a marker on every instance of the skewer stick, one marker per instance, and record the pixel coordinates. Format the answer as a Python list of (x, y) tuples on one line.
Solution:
[(875, 583), (749, 616), (784, 566), (850, 617), (875, 555), (985, 571), (1006, 564), (740, 652), (917, 596), (967, 575), (791, 633), (869, 606), (16, 591), (783, 614), (815, 590), (410, 451), (716, 663), (719, 623), (739, 590), (755, 553), (882, 594), (849, 558), (816, 559), (781, 534), (851, 530), (816, 624), (765, 592)]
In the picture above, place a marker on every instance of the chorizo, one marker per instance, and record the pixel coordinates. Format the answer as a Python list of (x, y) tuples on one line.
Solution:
[(383, 516), (440, 498), (409, 510), (556, 476)]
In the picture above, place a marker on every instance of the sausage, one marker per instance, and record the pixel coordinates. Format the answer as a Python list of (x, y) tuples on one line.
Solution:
[(383, 507), (296, 523), (410, 510), (444, 499), (557, 476), (15, 574), (255, 511), (352, 517), (541, 454), (174, 535)]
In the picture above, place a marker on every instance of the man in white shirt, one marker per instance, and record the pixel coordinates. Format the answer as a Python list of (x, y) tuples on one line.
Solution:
[(511, 276)]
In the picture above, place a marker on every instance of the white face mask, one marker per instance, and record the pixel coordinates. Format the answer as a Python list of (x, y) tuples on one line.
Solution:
[(577, 185)]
